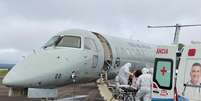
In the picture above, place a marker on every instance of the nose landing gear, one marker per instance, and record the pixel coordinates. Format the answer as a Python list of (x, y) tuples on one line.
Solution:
[(73, 76)]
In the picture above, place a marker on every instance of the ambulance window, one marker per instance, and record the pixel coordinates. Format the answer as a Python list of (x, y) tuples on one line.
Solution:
[(89, 44), (163, 73)]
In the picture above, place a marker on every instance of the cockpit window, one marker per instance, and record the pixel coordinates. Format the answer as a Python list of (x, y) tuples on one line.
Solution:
[(69, 41), (64, 41), (52, 41)]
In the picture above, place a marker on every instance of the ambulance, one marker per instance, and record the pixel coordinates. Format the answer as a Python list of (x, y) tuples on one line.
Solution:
[(177, 74)]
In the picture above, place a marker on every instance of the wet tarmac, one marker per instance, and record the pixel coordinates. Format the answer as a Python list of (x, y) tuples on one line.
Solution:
[(6, 98), (77, 92), (82, 92)]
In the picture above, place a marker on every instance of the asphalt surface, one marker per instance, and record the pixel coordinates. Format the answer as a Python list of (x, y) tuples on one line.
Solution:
[(77, 92), (89, 89), (5, 98)]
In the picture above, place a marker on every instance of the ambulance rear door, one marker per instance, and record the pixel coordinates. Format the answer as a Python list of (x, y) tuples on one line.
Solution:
[(164, 73), (189, 74)]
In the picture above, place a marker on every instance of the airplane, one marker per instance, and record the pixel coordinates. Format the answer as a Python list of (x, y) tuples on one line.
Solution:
[(81, 53)]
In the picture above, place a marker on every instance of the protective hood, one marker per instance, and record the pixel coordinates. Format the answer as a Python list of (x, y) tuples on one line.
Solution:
[(145, 71)]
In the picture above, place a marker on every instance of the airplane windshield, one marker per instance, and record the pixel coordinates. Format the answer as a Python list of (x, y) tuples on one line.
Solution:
[(64, 41), (69, 41), (52, 41)]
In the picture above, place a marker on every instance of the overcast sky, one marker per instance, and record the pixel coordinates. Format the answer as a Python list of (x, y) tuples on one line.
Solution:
[(27, 24)]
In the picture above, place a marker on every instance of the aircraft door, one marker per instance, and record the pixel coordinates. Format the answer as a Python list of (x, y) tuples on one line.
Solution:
[(91, 50), (90, 60)]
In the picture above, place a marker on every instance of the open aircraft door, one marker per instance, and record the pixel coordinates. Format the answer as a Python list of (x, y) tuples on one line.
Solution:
[(164, 73)]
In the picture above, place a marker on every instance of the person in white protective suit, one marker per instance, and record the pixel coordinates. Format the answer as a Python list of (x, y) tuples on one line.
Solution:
[(144, 83), (124, 73), (151, 70)]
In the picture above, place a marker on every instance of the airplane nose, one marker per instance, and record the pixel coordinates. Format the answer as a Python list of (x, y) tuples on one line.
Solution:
[(35, 71), (10, 80), (7, 81), (14, 79)]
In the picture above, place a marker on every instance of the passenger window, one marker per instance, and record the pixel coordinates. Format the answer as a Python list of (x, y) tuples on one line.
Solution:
[(163, 69), (90, 44)]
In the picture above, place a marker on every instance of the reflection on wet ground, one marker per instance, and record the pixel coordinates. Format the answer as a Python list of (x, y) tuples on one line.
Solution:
[(77, 92)]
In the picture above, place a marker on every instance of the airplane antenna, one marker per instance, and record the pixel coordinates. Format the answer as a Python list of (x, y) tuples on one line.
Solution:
[(177, 30)]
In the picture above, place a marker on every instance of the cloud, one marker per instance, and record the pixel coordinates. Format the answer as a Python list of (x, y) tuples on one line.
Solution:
[(28, 24), (7, 51), (11, 55)]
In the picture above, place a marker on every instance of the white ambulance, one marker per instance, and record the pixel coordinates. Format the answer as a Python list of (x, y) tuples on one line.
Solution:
[(185, 85)]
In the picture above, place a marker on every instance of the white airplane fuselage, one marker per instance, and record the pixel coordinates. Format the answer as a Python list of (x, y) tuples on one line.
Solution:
[(80, 52)]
